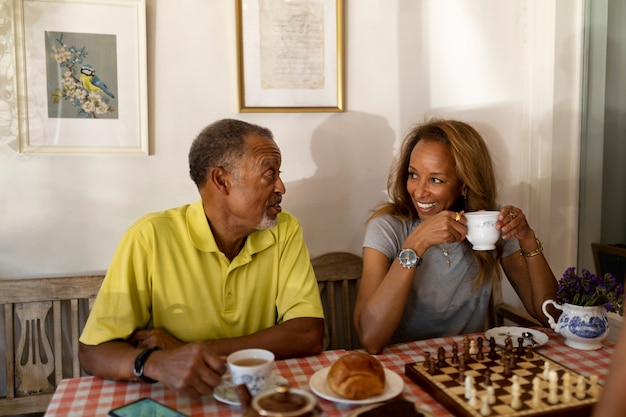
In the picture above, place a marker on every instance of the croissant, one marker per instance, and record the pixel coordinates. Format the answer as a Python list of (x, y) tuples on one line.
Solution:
[(357, 376)]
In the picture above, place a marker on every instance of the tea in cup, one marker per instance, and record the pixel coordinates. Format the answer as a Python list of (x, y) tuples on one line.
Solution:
[(252, 367), (481, 229)]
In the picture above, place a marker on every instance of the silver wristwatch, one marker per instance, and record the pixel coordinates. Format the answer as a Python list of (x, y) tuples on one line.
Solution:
[(409, 259)]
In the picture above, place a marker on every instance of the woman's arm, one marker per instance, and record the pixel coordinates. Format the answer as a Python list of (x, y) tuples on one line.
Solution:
[(383, 291), (530, 276), (385, 283)]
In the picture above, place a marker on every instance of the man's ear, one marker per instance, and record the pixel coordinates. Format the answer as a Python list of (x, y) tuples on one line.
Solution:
[(219, 179)]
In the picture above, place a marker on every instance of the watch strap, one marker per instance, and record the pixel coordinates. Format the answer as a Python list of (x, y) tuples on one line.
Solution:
[(140, 362)]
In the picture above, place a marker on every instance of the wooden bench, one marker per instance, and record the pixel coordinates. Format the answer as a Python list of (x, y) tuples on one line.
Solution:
[(33, 332)]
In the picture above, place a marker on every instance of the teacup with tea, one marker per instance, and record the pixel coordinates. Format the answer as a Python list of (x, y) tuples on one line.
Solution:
[(252, 367)]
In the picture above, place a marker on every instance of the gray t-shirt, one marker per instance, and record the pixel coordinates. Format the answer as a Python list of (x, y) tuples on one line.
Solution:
[(441, 301)]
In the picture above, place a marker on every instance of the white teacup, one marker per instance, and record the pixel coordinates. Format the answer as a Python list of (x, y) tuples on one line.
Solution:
[(252, 367), (481, 229)]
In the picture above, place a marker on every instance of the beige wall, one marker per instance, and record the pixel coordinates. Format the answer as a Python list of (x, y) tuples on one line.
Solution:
[(510, 68)]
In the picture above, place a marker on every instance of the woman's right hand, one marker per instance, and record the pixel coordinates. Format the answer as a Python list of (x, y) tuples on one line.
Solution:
[(445, 227)]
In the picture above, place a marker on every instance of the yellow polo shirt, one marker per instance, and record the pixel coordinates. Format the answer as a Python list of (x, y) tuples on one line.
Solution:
[(168, 273)]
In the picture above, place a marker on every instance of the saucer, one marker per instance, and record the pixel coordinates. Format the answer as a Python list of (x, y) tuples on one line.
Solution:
[(501, 333), (225, 391)]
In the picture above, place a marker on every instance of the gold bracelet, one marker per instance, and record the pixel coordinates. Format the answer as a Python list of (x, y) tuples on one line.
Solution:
[(537, 251)]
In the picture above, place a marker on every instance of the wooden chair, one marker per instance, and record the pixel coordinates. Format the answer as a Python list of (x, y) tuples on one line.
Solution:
[(33, 332), (338, 275), (499, 311), (610, 258)]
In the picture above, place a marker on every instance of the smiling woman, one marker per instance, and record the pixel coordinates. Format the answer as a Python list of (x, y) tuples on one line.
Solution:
[(440, 286)]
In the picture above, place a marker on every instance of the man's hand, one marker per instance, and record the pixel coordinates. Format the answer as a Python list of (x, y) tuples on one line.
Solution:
[(192, 369)]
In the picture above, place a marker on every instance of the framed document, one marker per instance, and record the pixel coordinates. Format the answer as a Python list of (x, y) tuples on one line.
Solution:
[(290, 55)]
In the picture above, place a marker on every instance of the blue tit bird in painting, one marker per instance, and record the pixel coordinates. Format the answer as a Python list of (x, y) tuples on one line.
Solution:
[(91, 82)]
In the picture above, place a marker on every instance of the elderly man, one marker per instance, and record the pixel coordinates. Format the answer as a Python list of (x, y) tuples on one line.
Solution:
[(189, 285)]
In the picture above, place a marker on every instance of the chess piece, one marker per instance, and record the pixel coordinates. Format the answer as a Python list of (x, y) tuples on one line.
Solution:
[(469, 386), (492, 349), (485, 410), (512, 362), (529, 352), (520, 346), (426, 360), (516, 402), (546, 370), (581, 388), (472, 347), (594, 389), (566, 396), (491, 395), (461, 377), (473, 401), (480, 355), (455, 353), (553, 379), (441, 357), (487, 381), (536, 400), (507, 368), (432, 366)]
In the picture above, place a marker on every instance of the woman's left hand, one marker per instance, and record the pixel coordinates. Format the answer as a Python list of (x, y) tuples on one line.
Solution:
[(512, 223)]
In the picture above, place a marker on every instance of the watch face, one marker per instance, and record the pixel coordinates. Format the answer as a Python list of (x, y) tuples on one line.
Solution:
[(408, 258)]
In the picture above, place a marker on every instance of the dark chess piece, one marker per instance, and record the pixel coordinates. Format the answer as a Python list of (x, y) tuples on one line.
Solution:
[(513, 362), (441, 357), (432, 366), (487, 381), (492, 348), (426, 360), (461, 377), (507, 369), (480, 355), (520, 346), (529, 352), (455, 353)]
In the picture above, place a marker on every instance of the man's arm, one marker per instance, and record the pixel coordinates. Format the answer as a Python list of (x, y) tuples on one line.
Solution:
[(193, 369), (293, 338)]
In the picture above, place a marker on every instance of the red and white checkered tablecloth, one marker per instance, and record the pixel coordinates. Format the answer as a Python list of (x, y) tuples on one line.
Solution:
[(91, 396)]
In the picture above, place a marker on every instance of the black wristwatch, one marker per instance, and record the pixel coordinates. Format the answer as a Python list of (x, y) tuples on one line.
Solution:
[(409, 259), (140, 361)]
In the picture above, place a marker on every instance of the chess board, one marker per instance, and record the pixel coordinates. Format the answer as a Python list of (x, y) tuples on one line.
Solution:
[(446, 386)]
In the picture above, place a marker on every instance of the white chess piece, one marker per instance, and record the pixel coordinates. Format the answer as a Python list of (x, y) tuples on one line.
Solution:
[(491, 395), (567, 391), (553, 397), (472, 347), (473, 401), (536, 400), (485, 410), (516, 402), (546, 370), (594, 390), (581, 388), (469, 385)]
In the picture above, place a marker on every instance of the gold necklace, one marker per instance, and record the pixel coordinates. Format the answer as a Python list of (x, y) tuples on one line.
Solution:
[(446, 254)]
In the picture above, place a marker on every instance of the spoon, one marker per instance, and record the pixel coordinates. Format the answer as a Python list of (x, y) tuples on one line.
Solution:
[(529, 336)]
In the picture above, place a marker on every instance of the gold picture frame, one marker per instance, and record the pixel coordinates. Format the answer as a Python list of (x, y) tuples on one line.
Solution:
[(290, 56)]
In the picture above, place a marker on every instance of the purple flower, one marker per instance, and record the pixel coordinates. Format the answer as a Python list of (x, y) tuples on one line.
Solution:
[(589, 289)]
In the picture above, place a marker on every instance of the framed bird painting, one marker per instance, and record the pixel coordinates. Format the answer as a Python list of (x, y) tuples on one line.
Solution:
[(81, 81), (290, 55)]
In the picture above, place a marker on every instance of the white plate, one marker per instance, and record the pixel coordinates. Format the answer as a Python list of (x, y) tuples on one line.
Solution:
[(500, 334), (225, 392), (319, 385)]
